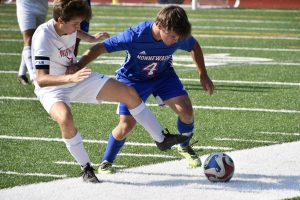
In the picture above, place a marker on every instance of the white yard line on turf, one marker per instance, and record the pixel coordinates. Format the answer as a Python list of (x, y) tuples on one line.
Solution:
[(204, 47), (10, 137), (279, 133), (32, 174), (262, 173), (216, 81), (194, 107), (96, 25), (93, 164), (244, 140), (147, 155)]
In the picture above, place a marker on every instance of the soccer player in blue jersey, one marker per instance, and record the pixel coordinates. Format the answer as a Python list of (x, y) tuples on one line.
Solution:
[(148, 68)]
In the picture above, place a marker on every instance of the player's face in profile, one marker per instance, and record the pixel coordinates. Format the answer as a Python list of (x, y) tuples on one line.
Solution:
[(168, 37), (72, 26)]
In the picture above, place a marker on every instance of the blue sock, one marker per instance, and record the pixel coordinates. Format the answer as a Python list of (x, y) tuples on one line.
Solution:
[(112, 149), (184, 128)]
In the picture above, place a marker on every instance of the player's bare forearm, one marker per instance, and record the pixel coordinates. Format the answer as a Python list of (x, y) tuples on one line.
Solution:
[(198, 58), (91, 38), (91, 54), (44, 79)]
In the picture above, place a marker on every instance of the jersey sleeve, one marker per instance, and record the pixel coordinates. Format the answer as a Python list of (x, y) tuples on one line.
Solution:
[(118, 42), (41, 52), (187, 44)]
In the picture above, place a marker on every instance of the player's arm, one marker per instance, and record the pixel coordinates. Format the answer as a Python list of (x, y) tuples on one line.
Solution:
[(91, 54), (44, 79), (198, 58), (91, 38)]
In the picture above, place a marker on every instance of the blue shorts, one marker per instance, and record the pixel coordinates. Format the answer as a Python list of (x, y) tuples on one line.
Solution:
[(85, 25), (165, 88)]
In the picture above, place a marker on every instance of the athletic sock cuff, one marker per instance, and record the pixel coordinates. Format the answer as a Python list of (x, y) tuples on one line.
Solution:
[(73, 141), (138, 109)]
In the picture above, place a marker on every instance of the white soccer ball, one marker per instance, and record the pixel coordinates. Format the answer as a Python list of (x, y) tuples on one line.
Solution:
[(218, 167)]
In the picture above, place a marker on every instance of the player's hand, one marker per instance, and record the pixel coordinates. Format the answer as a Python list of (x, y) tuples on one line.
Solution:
[(80, 75), (207, 84), (100, 36)]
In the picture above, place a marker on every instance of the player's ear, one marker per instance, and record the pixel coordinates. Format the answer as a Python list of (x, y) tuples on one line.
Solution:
[(158, 25), (60, 21)]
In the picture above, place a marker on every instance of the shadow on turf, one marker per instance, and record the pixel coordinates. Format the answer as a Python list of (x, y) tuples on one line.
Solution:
[(237, 88), (239, 182)]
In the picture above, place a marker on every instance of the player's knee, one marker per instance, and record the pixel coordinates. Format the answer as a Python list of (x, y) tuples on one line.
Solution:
[(64, 118), (132, 99), (122, 135), (123, 130), (187, 115), (132, 93)]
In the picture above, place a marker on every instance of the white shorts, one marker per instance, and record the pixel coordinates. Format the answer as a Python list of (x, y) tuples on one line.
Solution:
[(31, 14), (85, 91)]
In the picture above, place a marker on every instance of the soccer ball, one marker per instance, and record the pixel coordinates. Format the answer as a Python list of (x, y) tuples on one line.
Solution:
[(218, 167)]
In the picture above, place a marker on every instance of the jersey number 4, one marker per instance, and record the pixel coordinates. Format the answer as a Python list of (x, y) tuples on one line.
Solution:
[(151, 68)]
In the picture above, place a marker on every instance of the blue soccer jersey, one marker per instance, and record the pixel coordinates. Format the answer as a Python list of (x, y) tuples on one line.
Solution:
[(146, 58)]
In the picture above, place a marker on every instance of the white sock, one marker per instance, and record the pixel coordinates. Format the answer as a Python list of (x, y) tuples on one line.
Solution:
[(27, 58), (145, 117), (22, 68), (77, 150)]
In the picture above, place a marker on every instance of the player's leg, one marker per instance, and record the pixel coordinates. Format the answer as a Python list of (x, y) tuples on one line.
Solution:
[(115, 142), (22, 73), (116, 91), (113, 90), (27, 22), (26, 52), (61, 113), (56, 103), (182, 106), (173, 94), (100, 87)]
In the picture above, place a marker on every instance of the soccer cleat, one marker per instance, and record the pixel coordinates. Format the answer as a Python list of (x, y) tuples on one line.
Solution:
[(189, 154), (170, 140), (23, 80), (88, 174), (106, 167)]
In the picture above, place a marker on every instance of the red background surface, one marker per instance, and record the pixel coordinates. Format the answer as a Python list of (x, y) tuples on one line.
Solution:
[(243, 3)]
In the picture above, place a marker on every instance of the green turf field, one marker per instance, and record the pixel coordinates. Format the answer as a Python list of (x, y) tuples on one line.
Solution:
[(252, 56)]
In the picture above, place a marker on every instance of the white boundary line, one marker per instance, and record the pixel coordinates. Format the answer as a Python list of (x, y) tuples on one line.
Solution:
[(195, 107), (263, 173)]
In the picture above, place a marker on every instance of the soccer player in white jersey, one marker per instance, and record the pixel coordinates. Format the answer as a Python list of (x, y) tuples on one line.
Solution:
[(30, 14), (59, 81)]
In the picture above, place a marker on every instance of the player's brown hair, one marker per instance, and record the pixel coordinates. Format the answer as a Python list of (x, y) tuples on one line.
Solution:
[(174, 18), (70, 9)]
